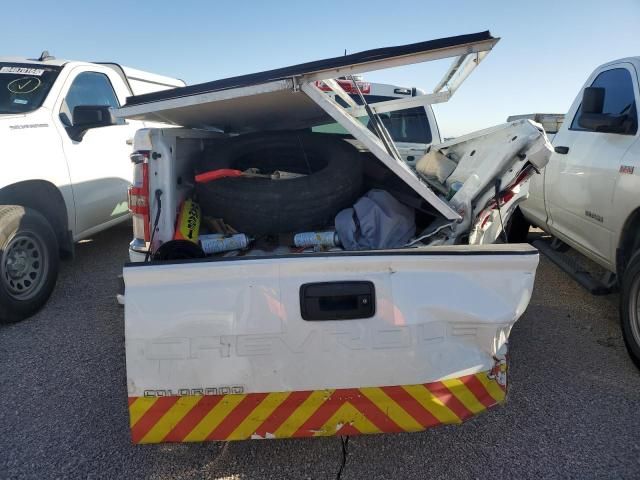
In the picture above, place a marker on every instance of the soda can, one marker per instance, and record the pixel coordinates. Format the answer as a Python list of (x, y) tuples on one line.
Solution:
[(316, 239), (217, 242)]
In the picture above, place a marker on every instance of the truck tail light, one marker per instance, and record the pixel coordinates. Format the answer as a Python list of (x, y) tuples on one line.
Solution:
[(139, 196), (347, 86)]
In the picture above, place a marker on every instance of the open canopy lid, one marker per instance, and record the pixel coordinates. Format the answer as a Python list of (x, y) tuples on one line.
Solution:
[(271, 100)]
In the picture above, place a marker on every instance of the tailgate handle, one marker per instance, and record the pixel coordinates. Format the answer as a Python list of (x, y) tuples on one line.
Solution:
[(337, 300)]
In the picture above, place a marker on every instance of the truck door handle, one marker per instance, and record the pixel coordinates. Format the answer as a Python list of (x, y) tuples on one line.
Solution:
[(561, 150), (337, 300)]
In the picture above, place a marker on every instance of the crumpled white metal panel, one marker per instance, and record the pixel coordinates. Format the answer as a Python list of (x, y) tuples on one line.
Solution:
[(440, 314), (499, 152)]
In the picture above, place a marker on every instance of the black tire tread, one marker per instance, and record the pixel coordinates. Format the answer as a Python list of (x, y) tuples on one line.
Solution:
[(631, 271)]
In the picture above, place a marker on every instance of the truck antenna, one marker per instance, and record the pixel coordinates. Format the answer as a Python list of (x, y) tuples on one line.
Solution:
[(44, 56)]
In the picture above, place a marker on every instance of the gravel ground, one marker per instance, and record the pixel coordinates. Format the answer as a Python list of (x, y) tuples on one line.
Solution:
[(573, 408)]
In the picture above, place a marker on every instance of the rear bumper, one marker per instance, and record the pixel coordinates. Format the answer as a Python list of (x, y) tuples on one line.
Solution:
[(350, 411)]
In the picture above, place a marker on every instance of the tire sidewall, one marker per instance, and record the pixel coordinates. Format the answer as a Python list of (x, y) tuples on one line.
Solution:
[(13, 221), (629, 300), (259, 206)]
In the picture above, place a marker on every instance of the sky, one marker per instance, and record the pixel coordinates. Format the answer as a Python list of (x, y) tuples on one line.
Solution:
[(546, 52)]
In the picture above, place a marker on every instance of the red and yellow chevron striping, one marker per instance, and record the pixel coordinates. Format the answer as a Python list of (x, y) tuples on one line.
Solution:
[(350, 411)]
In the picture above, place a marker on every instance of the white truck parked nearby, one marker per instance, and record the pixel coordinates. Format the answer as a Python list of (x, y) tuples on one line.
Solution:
[(65, 170), (257, 334), (412, 129), (588, 197)]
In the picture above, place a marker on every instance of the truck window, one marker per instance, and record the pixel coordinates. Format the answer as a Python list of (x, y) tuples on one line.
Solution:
[(24, 86), (88, 88), (619, 96), (410, 125)]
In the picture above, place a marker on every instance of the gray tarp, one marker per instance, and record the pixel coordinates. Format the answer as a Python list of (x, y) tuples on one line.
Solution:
[(376, 221)]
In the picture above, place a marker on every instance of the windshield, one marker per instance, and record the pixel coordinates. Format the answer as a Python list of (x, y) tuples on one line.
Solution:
[(24, 86), (410, 125)]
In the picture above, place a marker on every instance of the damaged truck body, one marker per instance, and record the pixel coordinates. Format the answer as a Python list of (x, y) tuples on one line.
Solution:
[(319, 284)]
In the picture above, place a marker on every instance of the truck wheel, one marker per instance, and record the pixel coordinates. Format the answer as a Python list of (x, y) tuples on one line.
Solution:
[(517, 228), (630, 308), (28, 262)]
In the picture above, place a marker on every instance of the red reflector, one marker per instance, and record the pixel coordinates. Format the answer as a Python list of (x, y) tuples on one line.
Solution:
[(347, 86), (323, 86), (139, 200)]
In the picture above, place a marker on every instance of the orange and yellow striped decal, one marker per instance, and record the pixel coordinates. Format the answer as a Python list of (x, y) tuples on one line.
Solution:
[(350, 411)]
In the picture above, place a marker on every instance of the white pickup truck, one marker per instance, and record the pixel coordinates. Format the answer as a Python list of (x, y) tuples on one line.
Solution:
[(588, 197), (394, 317), (65, 169)]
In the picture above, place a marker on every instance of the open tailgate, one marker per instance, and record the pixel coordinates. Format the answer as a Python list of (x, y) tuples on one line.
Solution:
[(218, 349)]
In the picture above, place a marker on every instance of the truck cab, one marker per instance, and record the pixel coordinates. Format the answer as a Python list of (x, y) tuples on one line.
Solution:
[(588, 195), (66, 168)]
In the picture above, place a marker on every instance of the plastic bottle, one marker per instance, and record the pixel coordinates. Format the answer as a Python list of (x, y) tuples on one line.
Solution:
[(316, 239), (217, 242)]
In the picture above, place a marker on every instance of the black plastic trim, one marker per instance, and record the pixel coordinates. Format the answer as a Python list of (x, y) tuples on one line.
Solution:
[(342, 300), (573, 268)]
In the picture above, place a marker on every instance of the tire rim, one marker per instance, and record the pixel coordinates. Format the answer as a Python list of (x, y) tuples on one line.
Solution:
[(634, 309), (24, 263)]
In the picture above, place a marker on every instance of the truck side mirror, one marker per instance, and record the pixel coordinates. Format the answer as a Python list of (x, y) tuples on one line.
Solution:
[(593, 100), (592, 118), (86, 117)]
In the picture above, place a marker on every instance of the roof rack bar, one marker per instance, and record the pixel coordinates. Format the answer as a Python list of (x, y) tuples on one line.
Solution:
[(455, 65), (402, 103), (468, 65)]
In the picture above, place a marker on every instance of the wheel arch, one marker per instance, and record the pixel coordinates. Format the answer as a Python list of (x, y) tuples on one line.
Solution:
[(46, 198), (629, 241)]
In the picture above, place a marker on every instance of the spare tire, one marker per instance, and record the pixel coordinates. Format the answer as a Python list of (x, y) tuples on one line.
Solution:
[(332, 181)]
